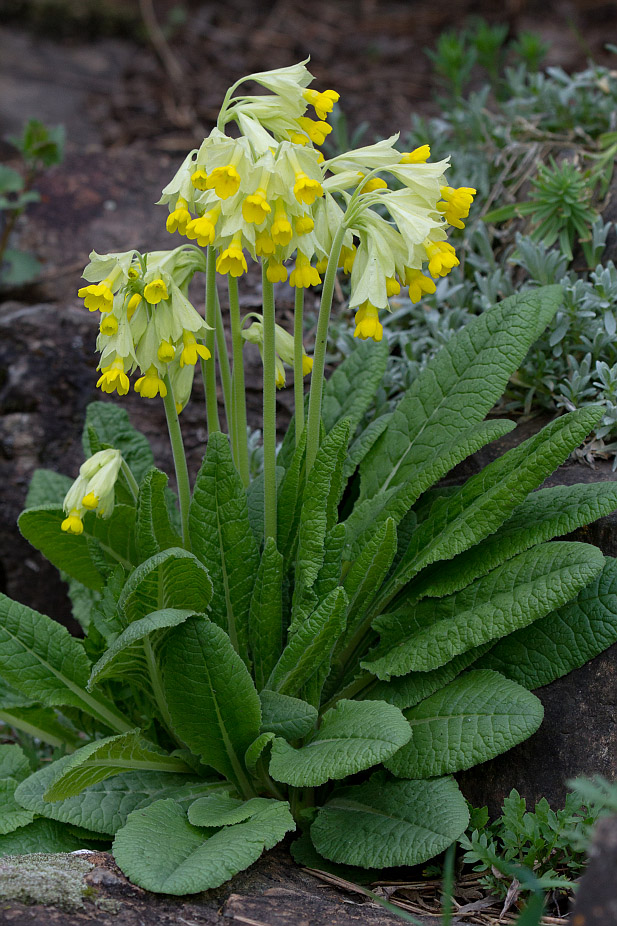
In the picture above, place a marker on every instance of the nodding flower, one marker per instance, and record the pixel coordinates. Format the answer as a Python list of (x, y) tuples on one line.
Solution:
[(93, 490)]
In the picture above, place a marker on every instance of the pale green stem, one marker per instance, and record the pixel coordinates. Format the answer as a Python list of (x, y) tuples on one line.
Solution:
[(238, 392), (177, 449), (269, 406), (319, 357), (224, 366), (298, 353), (130, 478), (208, 369)]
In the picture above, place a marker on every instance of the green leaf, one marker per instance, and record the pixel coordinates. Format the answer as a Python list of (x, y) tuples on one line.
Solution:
[(353, 736), (351, 389), (13, 763), (111, 426), (41, 527), (40, 658), (154, 530), (310, 646), (563, 640), (424, 636), (83, 601), (12, 815), (11, 181), (479, 507), (104, 807), (41, 722), (304, 853), (288, 717), (126, 655), (19, 266), (475, 718), (47, 488), (384, 823), (222, 810), (363, 443), (367, 573), (408, 690), (266, 614), (289, 501), (172, 579), (194, 859), (255, 502), (107, 757), (457, 388), (222, 538), (547, 513), (319, 506), (212, 700), (42, 836), (256, 750), (368, 515)]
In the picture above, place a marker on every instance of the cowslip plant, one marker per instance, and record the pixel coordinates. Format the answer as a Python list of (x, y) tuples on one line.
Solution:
[(250, 645)]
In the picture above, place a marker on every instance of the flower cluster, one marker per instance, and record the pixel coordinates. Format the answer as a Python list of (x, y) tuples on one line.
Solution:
[(147, 322), (269, 194), (93, 490)]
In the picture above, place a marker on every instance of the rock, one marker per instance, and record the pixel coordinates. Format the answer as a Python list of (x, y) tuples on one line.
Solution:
[(596, 897)]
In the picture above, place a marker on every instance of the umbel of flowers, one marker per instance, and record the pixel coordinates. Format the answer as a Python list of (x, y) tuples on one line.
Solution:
[(258, 190)]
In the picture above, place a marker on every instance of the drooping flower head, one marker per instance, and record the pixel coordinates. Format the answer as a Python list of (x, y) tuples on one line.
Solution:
[(93, 490)]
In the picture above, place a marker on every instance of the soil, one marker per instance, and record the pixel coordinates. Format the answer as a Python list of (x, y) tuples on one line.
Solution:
[(132, 106)]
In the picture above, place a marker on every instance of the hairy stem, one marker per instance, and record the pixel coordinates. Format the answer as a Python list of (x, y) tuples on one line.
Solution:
[(298, 374), (269, 407), (238, 392), (208, 369), (177, 449), (223, 357)]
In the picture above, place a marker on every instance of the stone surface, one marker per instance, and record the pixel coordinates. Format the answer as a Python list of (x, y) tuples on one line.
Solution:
[(596, 897)]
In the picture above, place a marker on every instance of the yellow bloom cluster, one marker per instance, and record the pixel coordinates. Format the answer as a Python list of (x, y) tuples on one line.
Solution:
[(93, 490), (147, 322)]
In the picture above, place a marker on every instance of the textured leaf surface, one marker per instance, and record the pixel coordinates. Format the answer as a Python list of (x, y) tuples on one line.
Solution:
[(47, 488), (547, 513), (367, 573), (563, 640), (514, 595), (42, 660), (12, 814), (478, 508), (13, 763), (223, 540), (288, 717), (223, 810), (42, 836), (383, 823), (171, 579), (256, 751), (194, 860), (351, 388), (105, 806), (458, 387), (154, 529), (111, 425), (214, 706), (353, 736), (118, 659), (310, 646), (266, 614), (41, 528), (475, 718), (42, 723), (104, 758), (289, 501), (364, 442)]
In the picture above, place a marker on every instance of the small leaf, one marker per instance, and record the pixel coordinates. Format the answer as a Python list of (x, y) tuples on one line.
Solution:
[(13, 815), (384, 823), (266, 614), (13, 763), (288, 717), (47, 488), (475, 718), (256, 750), (194, 860), (353, 736), (172, 579), (223, 810), (41, 527), (351, 389), (154, 529), (42, 836)]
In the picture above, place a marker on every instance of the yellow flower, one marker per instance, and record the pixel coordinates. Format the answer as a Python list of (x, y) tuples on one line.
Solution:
[(264, 245), (232, 260), (316, 131), (73, 524), (199, 179), (255, 208), (441, 258), (132, 305), (97, 296), (304, 275), (455, 204), (155, 292), (166, 352), (417, 156), (281, 230), (179, 218), (202, 229), (322, 103), (114, 378), (225, 181), (109, 325), (90, 501), (418, 284), (307, 190), (307, 364), (279, 375), (393, 287), (276, 272), (304, 225), (322, 265), (367, 323), (151, 385), (347, 258), (375, 183), (192, 350)]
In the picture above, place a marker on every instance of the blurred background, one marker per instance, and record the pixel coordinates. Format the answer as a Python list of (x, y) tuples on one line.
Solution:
[(123, 89)]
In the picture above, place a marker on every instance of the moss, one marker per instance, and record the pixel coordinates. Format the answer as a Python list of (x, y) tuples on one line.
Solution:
[(45, 879)]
